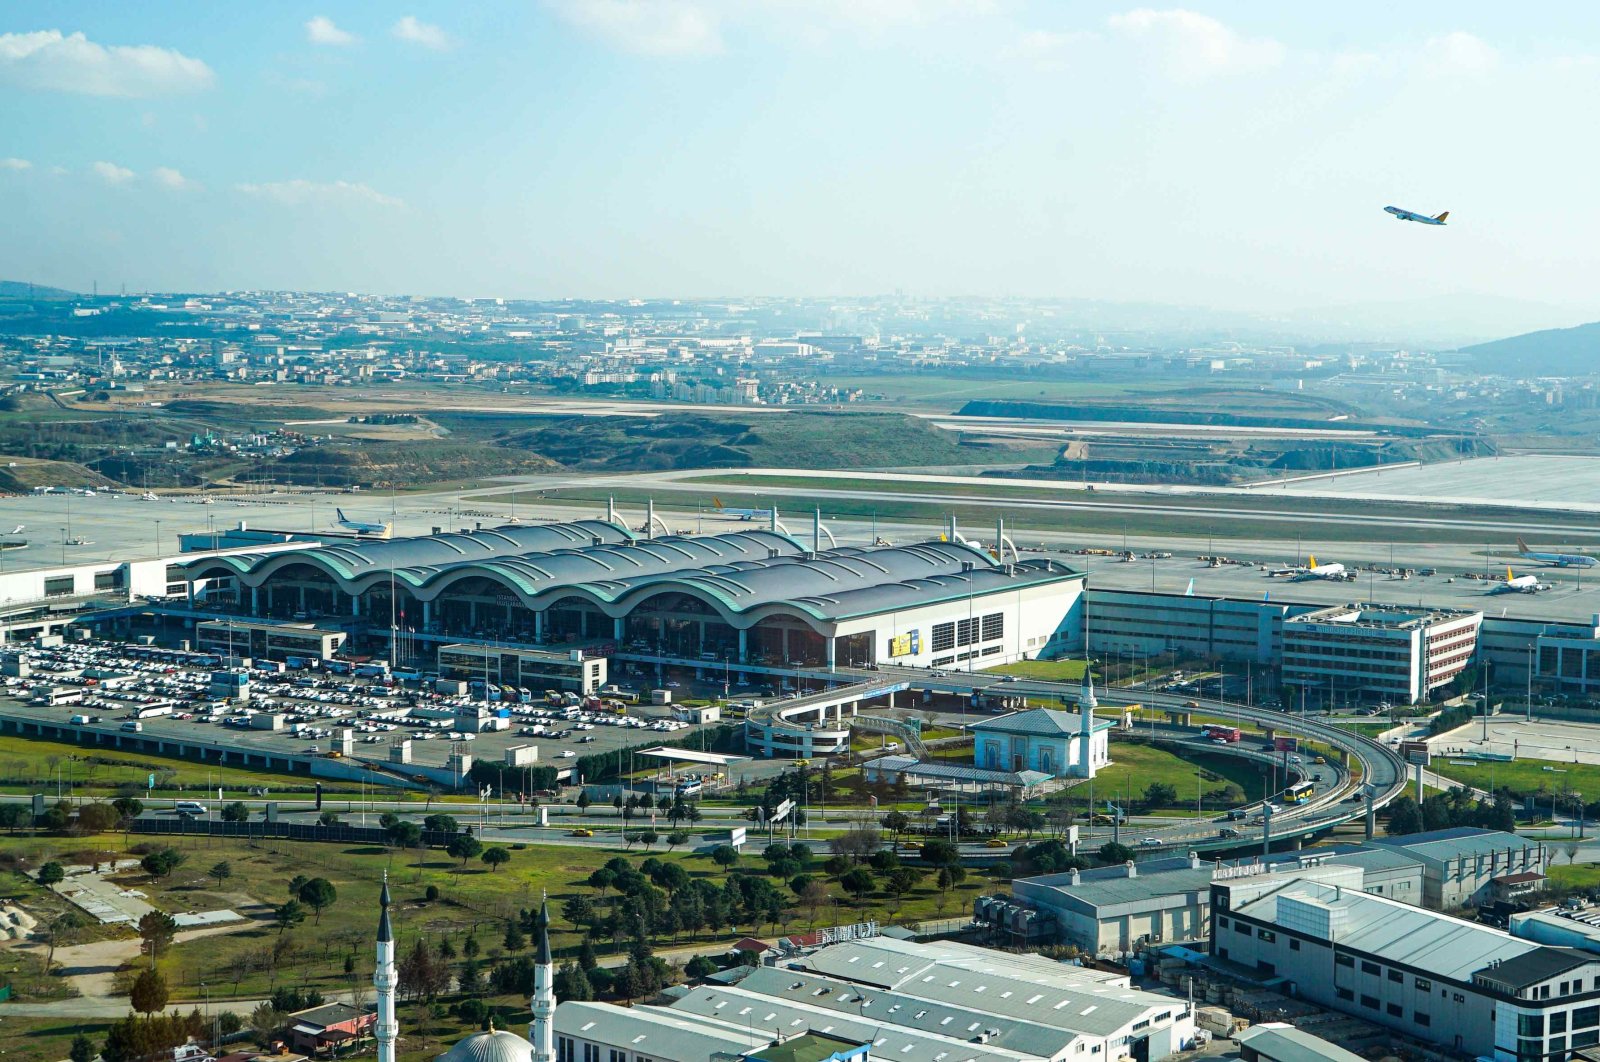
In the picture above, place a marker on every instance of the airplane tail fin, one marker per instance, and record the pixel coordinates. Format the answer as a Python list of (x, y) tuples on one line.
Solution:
[(1522, 547), (1509, 576), (340, 514), (717, 502), (1313, 564), (1441, 217)]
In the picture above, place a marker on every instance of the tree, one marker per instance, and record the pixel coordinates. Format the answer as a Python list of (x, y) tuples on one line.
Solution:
[(903, 879), (1160, 795), (699, 967), (288, 915), (583, 801), (297, 883), (940, 854), (724, 855), (222, 872), (602, 879), (266, 1021), (96, 818), (127, 808), (317, 894), (149, 992), (82, 1049), (162, 862), (441, 824), (51, 873), (897, 822), (404, 834), (156, 930), (235, 812), (514, 940), (572, 983), (1112, 852), (61, 931), (676, 838), (422, 975), (496, 857), (649, 837), (1405, 817), (858, 882), (328, 818), (856, 844), (464, 846)]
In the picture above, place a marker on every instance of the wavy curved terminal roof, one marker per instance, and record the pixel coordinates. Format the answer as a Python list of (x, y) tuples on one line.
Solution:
[(741, 574)]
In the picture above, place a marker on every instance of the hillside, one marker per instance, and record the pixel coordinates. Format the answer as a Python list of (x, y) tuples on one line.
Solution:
[(782, 440), (21, 289), (1551, 352)]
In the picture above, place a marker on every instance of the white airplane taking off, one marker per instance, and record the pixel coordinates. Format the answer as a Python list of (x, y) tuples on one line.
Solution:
[(19, 529), (1560, 560), (742, 514), (1520, 584), (1401, 214), (1313, 570), (360, 527)]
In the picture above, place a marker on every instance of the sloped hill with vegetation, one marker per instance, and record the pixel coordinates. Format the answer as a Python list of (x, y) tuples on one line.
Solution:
[(1552, 352), (785, 440)]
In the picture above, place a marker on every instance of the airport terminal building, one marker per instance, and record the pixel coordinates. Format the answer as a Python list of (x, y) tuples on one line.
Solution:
[(751, 596)]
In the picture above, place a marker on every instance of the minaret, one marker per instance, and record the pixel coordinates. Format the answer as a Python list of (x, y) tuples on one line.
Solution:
[(1086, 707), (543, 1033), (385, 979)]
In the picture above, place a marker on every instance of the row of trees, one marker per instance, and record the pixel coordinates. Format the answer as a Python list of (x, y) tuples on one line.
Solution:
[(1446, 810)]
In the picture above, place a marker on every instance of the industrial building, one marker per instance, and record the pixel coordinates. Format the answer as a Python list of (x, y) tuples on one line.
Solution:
[(1110, 911), (1376, 652), (1427, 975), (744, 596), (1467, 867)]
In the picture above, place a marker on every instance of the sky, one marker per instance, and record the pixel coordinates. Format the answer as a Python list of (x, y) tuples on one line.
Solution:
[(1229, 155)]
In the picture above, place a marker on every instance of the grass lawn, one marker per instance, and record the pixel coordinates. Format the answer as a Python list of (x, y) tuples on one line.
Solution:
[(1524, 777), (474, 903), (1576, 875), (1134, 766), (1043, 670)]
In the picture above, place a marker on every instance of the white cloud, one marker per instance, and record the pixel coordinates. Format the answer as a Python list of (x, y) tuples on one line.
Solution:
[(172, 179), (111, 173), (321, 30), (410, 29), (15, 164), (648, 27), (301, 192), (1048, 48), (1191, 45), (49, 59), (1459, 53)]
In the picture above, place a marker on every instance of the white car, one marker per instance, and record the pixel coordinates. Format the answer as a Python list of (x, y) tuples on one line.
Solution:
[(567, 754)]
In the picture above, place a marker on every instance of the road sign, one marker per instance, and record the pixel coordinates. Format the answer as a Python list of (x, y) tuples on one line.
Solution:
[(781, 812)]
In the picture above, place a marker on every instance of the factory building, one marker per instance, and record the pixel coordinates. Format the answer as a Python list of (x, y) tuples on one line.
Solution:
[(1109, 911), (1376, 651), (1461, 985), (747, 596)]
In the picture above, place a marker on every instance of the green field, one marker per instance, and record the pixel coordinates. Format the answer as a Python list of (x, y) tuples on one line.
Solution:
[(1043, 670), (1135, 765), (1526, 777)]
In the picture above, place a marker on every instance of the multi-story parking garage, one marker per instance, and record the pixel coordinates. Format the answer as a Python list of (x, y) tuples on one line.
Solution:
[(746, 596)]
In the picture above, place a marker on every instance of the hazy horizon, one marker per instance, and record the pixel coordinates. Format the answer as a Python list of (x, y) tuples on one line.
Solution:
[(1227, 156)]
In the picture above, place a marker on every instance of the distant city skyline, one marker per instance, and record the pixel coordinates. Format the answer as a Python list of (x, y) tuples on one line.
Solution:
[(1227, 155)]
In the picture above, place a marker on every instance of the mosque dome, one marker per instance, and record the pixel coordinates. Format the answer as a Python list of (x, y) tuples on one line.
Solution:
[(496, 1045)]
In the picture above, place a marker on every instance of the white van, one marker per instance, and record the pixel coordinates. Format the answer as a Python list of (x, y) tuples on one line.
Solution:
[(189, 807)]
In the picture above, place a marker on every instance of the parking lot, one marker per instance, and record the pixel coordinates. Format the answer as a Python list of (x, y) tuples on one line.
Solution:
[(1552, 740), (124, 693)]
